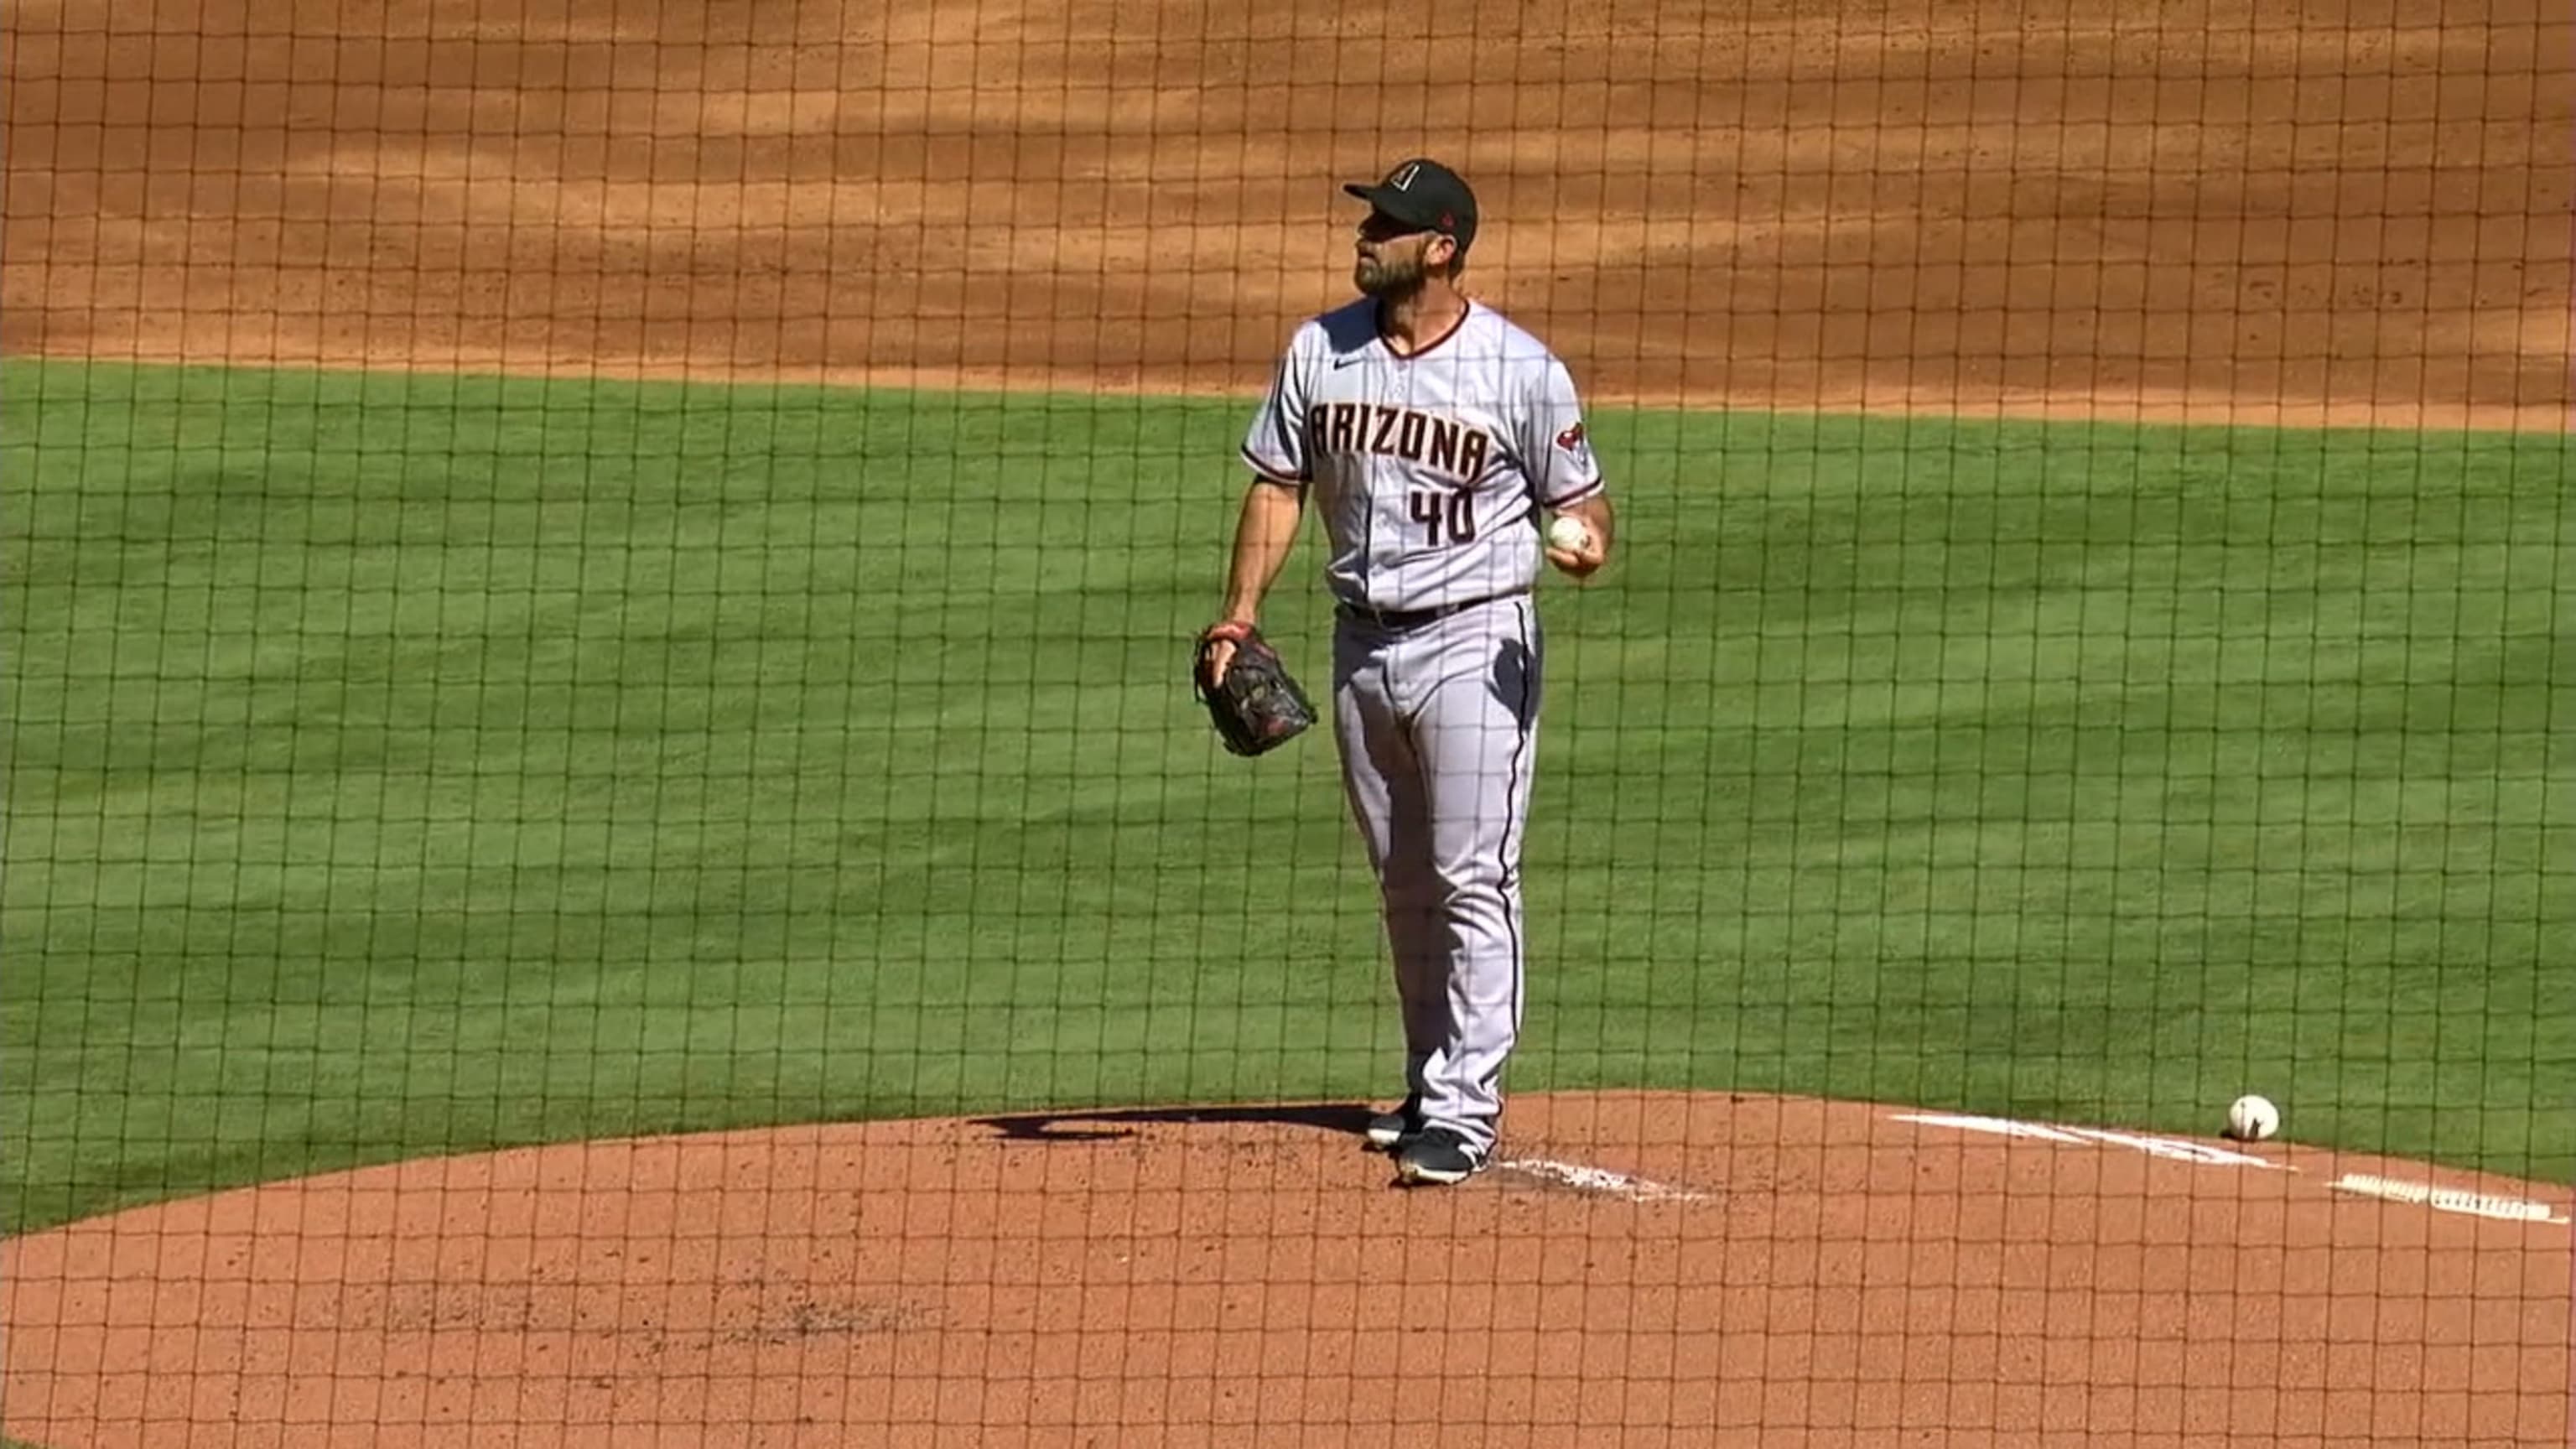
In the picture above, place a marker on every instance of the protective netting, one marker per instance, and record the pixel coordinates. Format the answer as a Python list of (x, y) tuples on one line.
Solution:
[(615, 583)]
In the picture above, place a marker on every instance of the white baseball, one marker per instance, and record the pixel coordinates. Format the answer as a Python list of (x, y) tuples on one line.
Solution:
[(2252, 1119), (1567, 532)]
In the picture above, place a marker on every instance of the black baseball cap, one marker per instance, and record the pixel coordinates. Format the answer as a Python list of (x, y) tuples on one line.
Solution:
[(1426, 194)]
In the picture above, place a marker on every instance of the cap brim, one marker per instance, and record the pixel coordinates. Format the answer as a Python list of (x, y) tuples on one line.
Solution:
[(1394, 203)]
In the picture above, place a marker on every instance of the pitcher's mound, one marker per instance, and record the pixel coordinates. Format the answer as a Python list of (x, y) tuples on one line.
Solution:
[(1642, 1269)]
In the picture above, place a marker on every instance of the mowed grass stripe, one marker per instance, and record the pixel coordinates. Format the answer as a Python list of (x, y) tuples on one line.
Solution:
[(414, 764)]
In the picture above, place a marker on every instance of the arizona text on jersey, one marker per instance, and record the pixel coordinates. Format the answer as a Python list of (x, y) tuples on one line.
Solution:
[(1428, 470)]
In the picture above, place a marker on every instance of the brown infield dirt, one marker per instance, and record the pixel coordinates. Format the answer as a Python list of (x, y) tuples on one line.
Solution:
[(1642, 1269), (2299, 212), (2292, 211)]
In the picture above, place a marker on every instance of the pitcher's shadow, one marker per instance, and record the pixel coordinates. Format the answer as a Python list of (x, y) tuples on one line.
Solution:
[(1346, 1118)]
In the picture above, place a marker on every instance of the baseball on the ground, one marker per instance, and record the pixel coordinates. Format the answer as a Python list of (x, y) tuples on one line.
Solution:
[(1567, 532), (2251, 1119)]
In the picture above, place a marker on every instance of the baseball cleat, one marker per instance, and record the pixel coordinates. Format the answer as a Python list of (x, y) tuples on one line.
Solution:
[(1441, 1156), (1388, 1129)]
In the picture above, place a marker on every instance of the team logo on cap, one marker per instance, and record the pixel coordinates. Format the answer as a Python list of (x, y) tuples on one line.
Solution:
[(1402, 179)]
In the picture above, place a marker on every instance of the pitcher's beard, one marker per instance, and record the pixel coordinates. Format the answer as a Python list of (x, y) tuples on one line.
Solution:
[(1385, 281)]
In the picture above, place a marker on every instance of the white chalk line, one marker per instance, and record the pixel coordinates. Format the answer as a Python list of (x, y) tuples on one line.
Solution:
[(2175, 1148), (1602, 1180), (1610, 1183), (2449, 1199), (2388, 1189)]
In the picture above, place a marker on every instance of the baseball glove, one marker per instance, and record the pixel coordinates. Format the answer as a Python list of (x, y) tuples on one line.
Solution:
[(1259, 706)]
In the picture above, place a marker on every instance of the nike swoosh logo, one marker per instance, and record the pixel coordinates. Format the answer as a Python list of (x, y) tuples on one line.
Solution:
[(1341, 362)]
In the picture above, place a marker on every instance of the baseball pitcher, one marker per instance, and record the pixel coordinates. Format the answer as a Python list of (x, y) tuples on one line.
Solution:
[(1443, 448)]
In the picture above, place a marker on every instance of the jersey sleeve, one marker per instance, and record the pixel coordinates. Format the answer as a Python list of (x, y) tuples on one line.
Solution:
[(1553, 446), (1275, 445)]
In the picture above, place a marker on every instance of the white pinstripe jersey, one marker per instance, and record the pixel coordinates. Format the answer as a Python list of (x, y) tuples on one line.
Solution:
[(1428, 471)]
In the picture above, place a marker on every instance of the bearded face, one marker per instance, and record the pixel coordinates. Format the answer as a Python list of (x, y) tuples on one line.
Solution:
[(1391, 258)]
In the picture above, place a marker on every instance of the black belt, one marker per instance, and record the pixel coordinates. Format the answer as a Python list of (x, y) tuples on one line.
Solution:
[(1413, 618)]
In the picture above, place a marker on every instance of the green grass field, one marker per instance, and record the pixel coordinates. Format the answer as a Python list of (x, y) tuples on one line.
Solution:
[(403, 765)]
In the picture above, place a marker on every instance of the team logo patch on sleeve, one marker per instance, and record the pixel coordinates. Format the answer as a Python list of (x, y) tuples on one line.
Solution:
[(1571, 440)]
